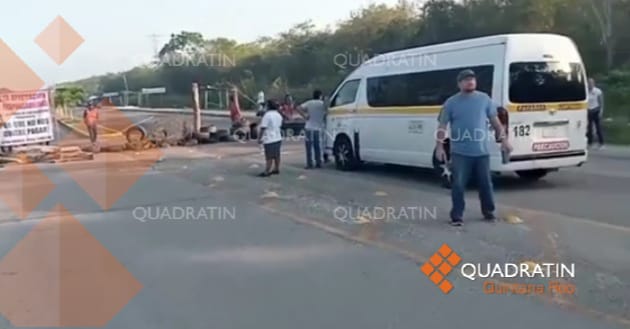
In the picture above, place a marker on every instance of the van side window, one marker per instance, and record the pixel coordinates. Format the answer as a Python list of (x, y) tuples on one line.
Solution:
[(423, 88), (347, 94)]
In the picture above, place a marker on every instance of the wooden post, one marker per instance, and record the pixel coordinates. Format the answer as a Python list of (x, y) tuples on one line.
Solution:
[(227, 98), (196, 109), (236, 96), (53, 113)]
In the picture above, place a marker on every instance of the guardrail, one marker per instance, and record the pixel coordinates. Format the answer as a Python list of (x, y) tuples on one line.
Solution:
[(212, 113)]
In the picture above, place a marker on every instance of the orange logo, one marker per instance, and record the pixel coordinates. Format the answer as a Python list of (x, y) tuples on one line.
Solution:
[(59, 274), (439, 266)]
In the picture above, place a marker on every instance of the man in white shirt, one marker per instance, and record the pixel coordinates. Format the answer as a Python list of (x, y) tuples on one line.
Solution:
[(314, 111), (271, 137), (595, 112)]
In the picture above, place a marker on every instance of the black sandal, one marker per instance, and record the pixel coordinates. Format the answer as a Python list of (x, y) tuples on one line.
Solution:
[(265, 174)]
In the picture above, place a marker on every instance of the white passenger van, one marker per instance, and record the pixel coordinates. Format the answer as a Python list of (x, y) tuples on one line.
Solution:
[(387, 110)]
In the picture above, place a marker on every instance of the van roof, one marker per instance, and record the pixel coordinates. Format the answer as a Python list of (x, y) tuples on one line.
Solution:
[(465, 43)]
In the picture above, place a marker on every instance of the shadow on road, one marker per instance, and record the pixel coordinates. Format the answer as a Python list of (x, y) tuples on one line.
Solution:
[(428, 176)]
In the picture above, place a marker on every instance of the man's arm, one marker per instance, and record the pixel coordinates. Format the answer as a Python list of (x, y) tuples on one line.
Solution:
[(301, 110), (493, 117), (499, 130), (443, 119)]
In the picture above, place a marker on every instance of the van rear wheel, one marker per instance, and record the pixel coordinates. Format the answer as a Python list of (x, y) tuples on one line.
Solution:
[(532, 175)]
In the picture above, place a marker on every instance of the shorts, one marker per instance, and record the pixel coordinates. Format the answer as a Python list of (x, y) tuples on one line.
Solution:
[(272, 150)]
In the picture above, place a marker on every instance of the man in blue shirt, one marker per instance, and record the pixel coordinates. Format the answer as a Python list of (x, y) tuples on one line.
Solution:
[(468, 113)]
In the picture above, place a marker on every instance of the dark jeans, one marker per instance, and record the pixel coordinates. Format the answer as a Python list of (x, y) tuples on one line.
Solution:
[(313, 146), (93, 131), (593, 120), (463, 167)]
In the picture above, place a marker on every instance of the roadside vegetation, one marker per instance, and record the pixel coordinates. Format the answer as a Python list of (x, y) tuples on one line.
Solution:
[(303, 57)]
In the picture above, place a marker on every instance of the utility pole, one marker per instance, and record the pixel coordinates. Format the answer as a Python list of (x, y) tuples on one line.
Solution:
[(126, 92)]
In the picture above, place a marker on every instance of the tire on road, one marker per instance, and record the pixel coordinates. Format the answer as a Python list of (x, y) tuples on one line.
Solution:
[(135, 134), (253, 128), (343, 151)]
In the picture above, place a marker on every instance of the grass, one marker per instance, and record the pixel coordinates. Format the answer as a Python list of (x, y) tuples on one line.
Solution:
[(617, 132)]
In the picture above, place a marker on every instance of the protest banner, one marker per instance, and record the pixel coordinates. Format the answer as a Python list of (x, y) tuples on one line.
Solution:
[(25, 118)]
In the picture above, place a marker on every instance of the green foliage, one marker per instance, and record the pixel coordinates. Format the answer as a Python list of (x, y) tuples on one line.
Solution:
[(304, 58), (69, 96)]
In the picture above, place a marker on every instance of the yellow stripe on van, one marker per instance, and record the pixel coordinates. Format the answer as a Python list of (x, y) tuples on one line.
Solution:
[(537, 107), (542, 107), (388, 110)]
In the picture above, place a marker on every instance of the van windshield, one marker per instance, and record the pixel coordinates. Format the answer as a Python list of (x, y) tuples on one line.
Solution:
[(543, 82)]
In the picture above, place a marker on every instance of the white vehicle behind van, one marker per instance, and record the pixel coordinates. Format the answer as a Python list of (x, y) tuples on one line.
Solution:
[(387, 110)]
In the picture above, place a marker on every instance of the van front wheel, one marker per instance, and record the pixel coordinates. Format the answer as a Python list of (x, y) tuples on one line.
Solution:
[(344, 154)]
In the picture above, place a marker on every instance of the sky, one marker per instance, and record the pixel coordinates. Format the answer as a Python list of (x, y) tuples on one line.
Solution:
[(117, 33)]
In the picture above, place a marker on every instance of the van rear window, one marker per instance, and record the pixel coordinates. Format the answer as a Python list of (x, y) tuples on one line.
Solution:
[(545, 82)]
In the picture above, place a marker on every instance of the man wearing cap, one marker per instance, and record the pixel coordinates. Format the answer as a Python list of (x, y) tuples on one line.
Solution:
[(90, 118), (468, 113)]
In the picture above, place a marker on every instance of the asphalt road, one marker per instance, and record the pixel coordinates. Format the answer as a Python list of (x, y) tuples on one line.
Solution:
[(292, 252)]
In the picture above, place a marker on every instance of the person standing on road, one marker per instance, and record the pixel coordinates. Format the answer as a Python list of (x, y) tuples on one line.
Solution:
[(90, 118), (271, 137), (287, 107), (235, 113), (468, 113), (595, 113), (314, 112)]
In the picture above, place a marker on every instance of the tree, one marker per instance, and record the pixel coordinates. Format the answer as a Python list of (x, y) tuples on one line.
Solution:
[(68, 97), (303, 57)]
